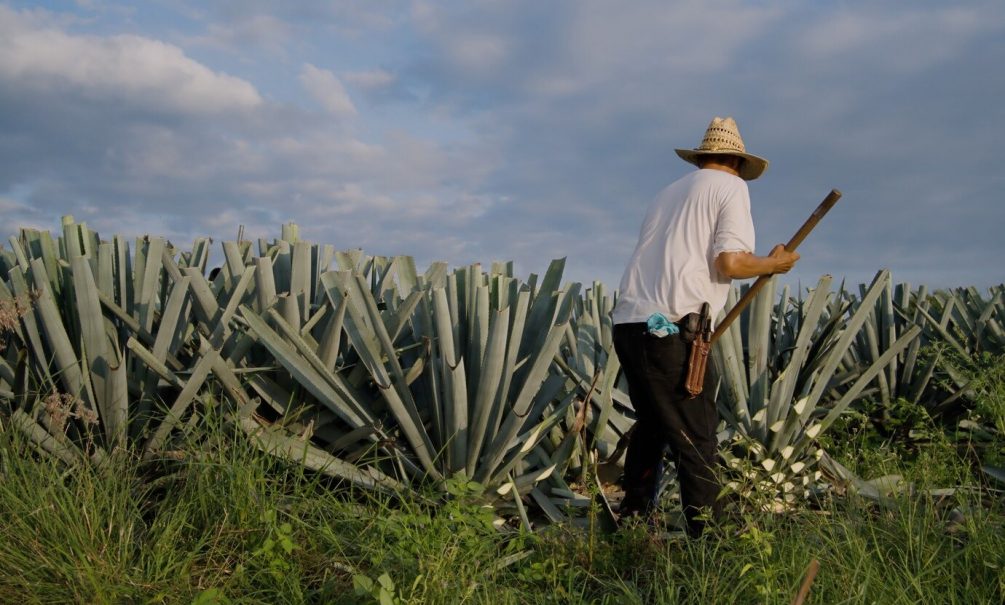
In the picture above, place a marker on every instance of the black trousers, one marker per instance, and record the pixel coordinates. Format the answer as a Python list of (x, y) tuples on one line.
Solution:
[(667, 416)]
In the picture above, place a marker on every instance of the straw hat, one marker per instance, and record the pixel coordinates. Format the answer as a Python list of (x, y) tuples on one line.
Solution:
[(723, 137)]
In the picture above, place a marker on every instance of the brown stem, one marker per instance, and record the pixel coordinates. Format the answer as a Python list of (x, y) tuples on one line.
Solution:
[(804, 590)]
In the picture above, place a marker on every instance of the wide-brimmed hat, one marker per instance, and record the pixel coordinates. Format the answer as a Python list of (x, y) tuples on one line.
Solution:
[(723, 137)]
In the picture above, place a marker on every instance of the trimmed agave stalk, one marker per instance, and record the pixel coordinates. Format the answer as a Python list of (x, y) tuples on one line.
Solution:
[(791, 390)]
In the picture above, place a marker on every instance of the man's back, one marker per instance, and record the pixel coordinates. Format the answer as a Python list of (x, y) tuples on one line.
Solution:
[(672, 270)]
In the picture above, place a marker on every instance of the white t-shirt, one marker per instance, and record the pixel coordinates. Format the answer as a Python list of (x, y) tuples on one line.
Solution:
[(672, 270)]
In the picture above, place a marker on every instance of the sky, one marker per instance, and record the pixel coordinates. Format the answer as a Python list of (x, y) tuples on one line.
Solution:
[(476, 131)]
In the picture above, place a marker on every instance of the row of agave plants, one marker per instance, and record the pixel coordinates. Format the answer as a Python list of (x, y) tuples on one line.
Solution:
[(368, 370)]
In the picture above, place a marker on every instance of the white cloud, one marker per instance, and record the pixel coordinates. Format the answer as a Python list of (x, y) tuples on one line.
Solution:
[(346, 17), (478, 52), (915, 39), (23, 215), (372, 80), (327, 90), (477, 44), (675, 38), (264, 31), (128, 68), (582, 46)]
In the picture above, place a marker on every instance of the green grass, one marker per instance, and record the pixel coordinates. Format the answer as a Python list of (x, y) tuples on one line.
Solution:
[(230, 524), (225, 523)]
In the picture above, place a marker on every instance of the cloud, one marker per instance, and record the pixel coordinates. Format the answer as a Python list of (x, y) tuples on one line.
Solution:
[(101, 128), (869, 34), (327, 90), (23, 215), (489, 130), (575, 47), (343, 16), (371, 80), (264, 31), (252, 29), (127, 68)]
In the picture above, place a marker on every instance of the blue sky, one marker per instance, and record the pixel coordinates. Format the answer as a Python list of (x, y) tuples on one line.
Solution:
[(522, 130)]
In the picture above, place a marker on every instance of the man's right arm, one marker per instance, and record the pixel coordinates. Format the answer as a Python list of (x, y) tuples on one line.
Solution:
[(742, 265)]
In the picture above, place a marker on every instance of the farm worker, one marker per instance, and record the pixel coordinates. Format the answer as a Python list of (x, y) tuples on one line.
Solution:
[(697, 235)]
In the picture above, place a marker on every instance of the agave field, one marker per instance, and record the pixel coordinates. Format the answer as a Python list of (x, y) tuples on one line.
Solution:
[(398, 380)]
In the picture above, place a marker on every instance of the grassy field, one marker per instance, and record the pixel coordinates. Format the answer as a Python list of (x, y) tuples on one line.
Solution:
[(227, 524)]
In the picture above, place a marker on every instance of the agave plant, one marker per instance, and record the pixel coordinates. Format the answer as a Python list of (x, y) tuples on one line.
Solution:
[(67, 362), (112, 347), (415, 376), (793, 379), (965, 326), (354, 365), (364, 368), (904, 377), (587, 357), (471, 383)]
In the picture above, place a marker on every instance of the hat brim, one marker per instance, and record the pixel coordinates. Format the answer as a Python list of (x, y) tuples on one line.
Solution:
[(752, 167)]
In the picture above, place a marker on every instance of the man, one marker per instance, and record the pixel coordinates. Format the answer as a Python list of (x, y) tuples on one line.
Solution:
[(697, 235)]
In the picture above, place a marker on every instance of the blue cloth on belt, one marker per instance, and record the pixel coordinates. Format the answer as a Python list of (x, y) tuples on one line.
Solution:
[(660, 326)]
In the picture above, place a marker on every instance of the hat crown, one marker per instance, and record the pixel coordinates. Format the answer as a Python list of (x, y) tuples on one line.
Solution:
[(722, 134)]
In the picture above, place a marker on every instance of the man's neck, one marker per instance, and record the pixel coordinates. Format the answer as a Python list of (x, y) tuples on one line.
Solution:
[(721, 167)]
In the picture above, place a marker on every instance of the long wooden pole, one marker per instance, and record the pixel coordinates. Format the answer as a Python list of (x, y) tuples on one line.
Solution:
[(797, 239), (804, 590)]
